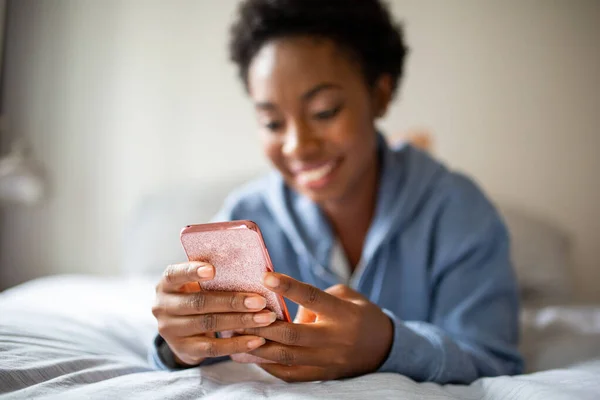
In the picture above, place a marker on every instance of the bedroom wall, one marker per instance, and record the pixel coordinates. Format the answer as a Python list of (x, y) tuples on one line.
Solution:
[(121, 97)]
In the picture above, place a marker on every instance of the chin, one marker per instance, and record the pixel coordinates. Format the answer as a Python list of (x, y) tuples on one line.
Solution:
[(335, 193)]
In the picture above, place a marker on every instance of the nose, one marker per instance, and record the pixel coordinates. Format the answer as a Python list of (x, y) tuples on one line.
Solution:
[(300, 141)]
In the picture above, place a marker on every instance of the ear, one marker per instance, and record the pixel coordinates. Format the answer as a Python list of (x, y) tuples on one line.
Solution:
[(382, 95)]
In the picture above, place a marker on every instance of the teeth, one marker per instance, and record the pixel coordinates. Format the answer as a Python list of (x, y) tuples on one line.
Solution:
[(315, 174)]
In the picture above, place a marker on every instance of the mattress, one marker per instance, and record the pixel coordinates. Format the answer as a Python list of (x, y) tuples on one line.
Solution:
[(73, 337)]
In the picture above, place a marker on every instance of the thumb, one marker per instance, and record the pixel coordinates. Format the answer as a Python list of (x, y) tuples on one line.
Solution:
[(344, 292), (305, 316)]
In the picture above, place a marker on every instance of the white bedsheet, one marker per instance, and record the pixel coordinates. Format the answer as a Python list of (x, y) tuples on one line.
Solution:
[(83, 337)]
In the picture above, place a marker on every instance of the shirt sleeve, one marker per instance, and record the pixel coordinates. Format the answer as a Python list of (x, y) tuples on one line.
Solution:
[(161, 357), (473, 327)]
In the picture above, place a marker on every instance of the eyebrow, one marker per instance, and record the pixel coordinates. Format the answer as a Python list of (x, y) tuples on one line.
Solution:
[(304, 97), (319, 88)]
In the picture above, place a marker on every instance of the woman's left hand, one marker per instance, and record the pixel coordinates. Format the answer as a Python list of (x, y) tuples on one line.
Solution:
[(337, 333)]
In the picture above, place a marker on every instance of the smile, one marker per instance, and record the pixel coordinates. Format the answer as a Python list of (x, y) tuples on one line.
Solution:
[(316, 177)]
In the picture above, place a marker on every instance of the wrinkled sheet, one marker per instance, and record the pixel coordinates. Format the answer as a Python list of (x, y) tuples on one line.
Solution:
[(75, 337)]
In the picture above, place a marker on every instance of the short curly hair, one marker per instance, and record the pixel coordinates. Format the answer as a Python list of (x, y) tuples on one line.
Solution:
[(364, 28)]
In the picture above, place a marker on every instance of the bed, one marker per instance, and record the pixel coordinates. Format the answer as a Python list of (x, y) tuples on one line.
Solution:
[(78, 336)]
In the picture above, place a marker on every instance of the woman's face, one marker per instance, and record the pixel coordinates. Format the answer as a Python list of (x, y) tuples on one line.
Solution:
[(316, 116)]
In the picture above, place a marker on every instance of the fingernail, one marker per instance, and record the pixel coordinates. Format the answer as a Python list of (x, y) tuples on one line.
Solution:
[(205, 272), (254, 343), (264, 318), (255, 303), (271, 280)]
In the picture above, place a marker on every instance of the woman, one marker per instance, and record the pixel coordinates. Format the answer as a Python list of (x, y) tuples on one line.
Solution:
[(392, 262)]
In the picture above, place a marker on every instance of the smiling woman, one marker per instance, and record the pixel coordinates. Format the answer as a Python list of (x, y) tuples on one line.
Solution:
[(390, 261), (317, 97)]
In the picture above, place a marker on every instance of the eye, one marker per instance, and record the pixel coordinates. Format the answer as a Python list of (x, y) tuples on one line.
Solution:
[(328, 114), (274, 126)]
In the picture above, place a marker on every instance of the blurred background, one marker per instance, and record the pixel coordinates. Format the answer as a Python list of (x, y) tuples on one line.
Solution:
[(118, 100)]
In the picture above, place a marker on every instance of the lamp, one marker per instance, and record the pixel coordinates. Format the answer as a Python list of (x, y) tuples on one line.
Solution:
[(21, 177)]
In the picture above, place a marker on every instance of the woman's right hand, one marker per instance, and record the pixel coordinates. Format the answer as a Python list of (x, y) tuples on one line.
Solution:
[(188, 317)]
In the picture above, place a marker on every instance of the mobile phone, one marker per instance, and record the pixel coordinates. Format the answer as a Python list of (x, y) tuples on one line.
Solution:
[(237, 251)]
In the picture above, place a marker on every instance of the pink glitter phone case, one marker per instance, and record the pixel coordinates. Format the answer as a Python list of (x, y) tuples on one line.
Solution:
[(237, 251)]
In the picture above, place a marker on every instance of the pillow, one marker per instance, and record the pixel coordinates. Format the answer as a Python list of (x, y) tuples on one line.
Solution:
[(540, 251), (152, 233), (541, 255)]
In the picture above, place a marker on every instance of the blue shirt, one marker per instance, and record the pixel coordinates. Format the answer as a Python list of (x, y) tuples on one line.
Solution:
[(435, 259)]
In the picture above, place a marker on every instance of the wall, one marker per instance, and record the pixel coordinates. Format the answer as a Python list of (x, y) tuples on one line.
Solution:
[(117, 97), (2, 17), (511, 89), (121, 97)]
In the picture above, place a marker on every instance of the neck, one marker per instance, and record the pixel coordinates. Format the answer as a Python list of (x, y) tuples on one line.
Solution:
[(351, 216)]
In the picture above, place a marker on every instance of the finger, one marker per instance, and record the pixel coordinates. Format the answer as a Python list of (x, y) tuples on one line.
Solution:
[(297, 373), (197, 348), (195, 325), (293, 355), (176, 275), (313, 335), (306, 295), (205, 302)]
